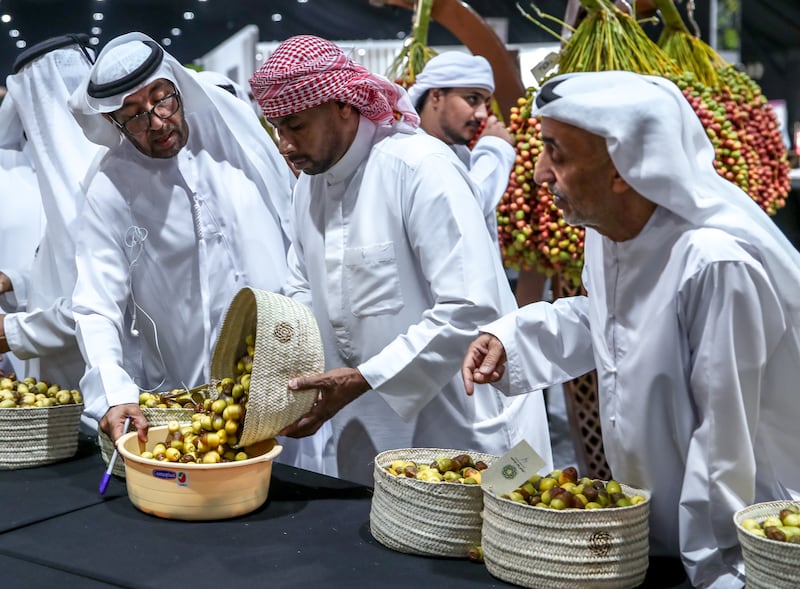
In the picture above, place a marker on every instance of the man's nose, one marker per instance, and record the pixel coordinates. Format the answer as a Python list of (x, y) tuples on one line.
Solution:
[(542, 172), (285, 147), (156, 122)]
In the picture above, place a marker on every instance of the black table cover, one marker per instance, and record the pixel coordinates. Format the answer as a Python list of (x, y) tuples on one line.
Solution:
[(313, 531)]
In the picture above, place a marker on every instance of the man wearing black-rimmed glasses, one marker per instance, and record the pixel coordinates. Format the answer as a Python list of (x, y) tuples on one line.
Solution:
[(189, 206), (151, 120)]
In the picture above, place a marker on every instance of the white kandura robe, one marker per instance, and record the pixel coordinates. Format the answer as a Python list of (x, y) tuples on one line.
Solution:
[(22, 221), (172, 240), (399, 271), (42, 330), (698, 372), (489, 162), (21, 227)]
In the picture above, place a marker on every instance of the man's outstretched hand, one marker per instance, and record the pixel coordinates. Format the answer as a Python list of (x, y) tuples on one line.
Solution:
[(485, 362)]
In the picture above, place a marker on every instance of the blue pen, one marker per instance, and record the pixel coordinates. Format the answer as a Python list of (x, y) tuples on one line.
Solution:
[(114, 456)]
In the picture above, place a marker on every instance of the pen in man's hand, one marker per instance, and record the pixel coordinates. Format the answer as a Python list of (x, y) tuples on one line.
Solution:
[(113, 461)]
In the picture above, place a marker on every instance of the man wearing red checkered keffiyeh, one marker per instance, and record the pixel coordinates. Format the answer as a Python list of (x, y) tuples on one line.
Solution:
[(306, 71), (390, 251)]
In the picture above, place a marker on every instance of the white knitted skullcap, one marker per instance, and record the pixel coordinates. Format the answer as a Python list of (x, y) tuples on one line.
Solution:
[(120, 61), (453, 69)]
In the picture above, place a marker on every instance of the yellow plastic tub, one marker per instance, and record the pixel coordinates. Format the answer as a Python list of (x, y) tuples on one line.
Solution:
[(196, 491)]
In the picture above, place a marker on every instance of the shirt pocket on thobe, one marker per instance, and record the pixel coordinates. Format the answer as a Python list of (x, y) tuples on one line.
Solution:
[(372, 277)]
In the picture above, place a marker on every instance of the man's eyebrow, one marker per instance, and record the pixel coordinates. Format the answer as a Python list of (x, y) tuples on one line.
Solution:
[(155, 88), (288, 119)]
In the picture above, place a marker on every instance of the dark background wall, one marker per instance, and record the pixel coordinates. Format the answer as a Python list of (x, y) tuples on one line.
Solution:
[(771, 47)]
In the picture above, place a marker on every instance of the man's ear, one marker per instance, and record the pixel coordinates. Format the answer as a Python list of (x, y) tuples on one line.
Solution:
[(435, 95), (107, 117), (346, 110), (618, 183)]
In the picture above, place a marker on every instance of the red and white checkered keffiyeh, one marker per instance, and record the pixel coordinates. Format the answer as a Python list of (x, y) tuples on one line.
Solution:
[(307, 71)]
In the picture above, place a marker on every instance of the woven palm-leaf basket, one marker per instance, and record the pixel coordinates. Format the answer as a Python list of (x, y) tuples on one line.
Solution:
[(34, 436), (287, 345), (423, 517), (155, 416), (536, 547), (768, 564)]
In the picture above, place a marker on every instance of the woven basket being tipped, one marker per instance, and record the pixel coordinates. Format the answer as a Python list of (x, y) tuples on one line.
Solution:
[(288, 344), (422, 517), (768, 564), (35, 436), (536, 547)]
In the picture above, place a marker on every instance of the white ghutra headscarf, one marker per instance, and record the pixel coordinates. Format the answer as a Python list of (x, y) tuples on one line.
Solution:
[(130, 62), (44, 77)]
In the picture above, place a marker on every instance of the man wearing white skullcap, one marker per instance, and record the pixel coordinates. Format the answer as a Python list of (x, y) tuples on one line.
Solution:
[(42, 329), (393, 260), (452, 95), (692, 317), (189, 206)]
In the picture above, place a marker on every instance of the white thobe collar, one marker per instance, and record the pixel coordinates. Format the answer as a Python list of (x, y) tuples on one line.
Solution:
[(642, 244), (357, 153)]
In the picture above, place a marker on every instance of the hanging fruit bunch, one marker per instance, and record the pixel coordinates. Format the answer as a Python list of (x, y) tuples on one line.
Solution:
[(415, 52), (736, 116), (742, 125), (532, 231)]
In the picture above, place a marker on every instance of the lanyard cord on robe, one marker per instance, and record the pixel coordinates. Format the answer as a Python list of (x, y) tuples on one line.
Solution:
[(135, 237)]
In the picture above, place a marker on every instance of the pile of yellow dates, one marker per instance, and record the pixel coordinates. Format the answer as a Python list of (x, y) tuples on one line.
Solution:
[(563, 489), (784, 527), (216, 425), (176, 399), (459, 469), (29, 392)]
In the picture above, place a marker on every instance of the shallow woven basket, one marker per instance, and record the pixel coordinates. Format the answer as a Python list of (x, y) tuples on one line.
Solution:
[(422, 517), (34, 436), (288, 344), (535, 547), (768, 564), (155, 416)]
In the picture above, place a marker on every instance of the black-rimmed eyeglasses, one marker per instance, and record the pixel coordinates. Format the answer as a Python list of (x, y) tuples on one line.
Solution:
[(163, 109)]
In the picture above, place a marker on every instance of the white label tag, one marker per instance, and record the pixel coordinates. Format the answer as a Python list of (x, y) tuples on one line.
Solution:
[(541, 69), (511, 470)]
